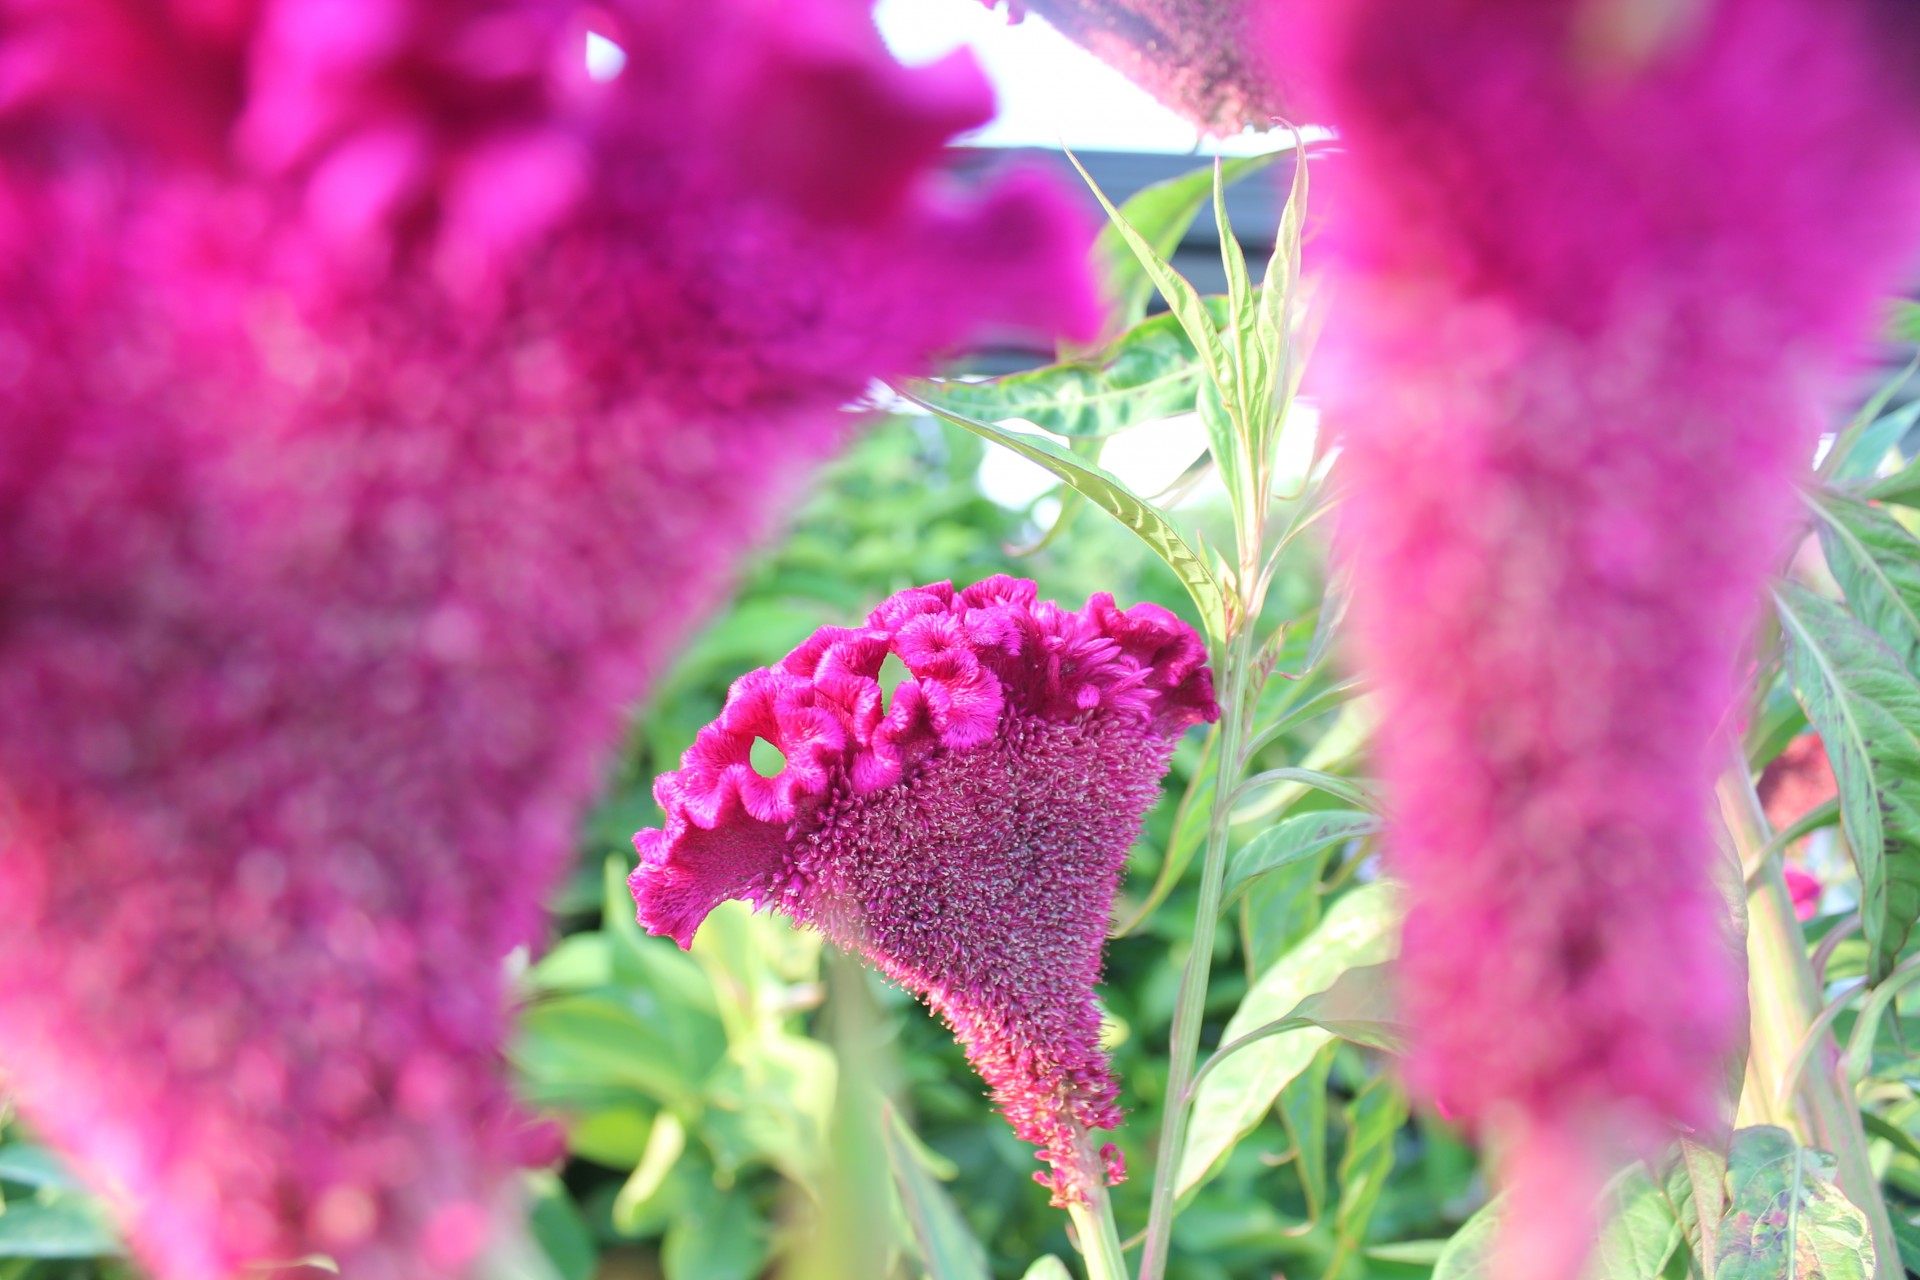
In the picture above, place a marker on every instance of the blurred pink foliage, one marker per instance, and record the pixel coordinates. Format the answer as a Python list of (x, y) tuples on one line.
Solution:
[(1599, 281), (966, 836), (383, 398)]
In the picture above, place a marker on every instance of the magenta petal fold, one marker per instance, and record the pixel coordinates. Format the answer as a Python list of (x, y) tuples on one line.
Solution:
[(965, 834), (381, 401), (1602, 279)]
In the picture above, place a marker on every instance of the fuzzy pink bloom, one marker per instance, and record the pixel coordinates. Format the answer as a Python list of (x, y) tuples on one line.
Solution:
[(967, 837), (1598, 283), (335, 546)]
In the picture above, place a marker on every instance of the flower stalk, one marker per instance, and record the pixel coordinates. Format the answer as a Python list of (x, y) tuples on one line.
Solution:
[(1235, 665)]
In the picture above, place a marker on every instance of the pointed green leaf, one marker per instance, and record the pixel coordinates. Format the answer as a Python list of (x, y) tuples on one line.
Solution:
[(1786, 1218), (1303, 835), (1360, 928), (68, 1228), (1904, 326), (1303, 1110), (28, 1165), (1146, 521), (1867, 710), (1373, 1118), (948, 1249), (1469, 1255), (1640, 1232), (1637, 1236), (1182, 299), (1251, 361), (1277, 293), (1877, 564), (1160, 214), (1870, 447), (1147, 373)]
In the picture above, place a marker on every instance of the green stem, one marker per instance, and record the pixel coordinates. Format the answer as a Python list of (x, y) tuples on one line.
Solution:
[(1099, 1239), (1785, 1001), (1190, 1009)]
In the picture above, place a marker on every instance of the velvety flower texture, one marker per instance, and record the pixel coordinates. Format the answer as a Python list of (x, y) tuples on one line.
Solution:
[(1600, 277), (381, 397), (966, 835)]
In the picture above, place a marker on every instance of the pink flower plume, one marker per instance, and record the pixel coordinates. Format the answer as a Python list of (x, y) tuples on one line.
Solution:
[(1599, 283), (966, 836), (366, 452)]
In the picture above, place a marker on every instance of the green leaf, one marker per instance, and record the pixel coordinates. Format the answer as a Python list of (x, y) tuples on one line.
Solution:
[(1469, 1255), (1877, 564), (1303, 1110), (1360, 928), (666, 1140), (1303, 835), (1904, 324), (1637, 1236), (1250, 363), (1160, 214), (34, 1166), (1359, 1008), (1373, 1118), (1147, 373), (1907, 1236), (1704, 1169), (68, 1228), (559, 1229), (1640, 1232), (718, 1236), (616, 1041), (1878, 436), (1866, 708), (1182, 299), (948, 1249), (1786, 1217), (1047, 1268), (1345, 790), (1147, 522)]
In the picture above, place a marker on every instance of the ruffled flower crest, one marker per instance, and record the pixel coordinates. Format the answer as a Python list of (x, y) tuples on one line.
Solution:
[(966, 835)]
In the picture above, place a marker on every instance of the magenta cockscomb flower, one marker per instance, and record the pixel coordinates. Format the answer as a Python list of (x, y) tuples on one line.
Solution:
[(966, 835), (1600, 275), (341, 520)]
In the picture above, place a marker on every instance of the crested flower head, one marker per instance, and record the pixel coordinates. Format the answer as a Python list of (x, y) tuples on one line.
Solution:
[(966, 834), (1592, 323), (336, 529)]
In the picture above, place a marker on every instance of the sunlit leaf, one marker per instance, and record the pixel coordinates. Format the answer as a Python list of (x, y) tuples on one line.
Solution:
[(66, 1228), (1786, 1217), (1360, 928), (1877, 563), (1160, 214), (1147, 373), (1303, 835), (1867, 710), (29, 1165), (1637, 1235), (1373, 1118), (1303, 1110), (947, 1247), (1182, 299), (1146, 521)]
